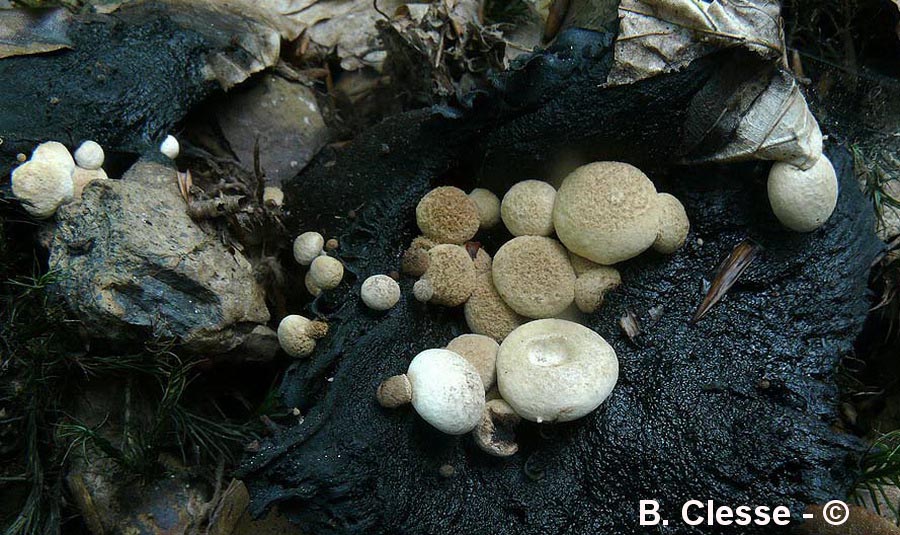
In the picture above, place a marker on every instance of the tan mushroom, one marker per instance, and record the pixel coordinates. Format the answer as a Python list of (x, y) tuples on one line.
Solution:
[(415, 259), (83, 177), (674, 225), (42, 185), (394, 392), (486, 312), (803, 200), (326, 272), (488, 206), (297, 335), (450, 277), (534, 276), (447, 215), (495, 432), (481, 352), (527, 208), (591, 287)]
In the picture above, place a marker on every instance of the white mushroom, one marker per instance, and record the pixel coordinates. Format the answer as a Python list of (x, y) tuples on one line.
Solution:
[(42, 185), (674, 225), (297, 335), (326, 272), (307, 247), (554, 370), (803, 200), (380, 292), (527, 208), (56, 154), (89, 155), (311, 287), (488, 206), (170, 147), (446, 391), (273, 196)]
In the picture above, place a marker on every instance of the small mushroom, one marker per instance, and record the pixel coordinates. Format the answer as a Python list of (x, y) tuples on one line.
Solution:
[(447, 215), (527, 208), (89, 155), (450, 277), (56, 154), (42, 185), (481, 352), (534, 276), (326, 272), (607, 212), (446, 391), (170, 147), (380, 292), (486, 312), (307, 247), (674, 225), (297, 335), (591, 287), (495, 433), (554, 370), (273, 196), (488, 206), (83, 177), (803, 200), (332, 244), (415, 259), (394, 392)]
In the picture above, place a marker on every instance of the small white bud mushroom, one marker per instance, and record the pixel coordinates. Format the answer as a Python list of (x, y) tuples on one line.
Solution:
[(326, 272), (170, 147), (591, 287), (481, 352), (607, 212), (674, 225), (450, 276), (554, 370), (446, 391), (394, 392), (89, 155), (307, 247), (486, 312), (488, 206), (495, 432), (803, 200), (447, 215), (83, 177), (42, 185), (311, 287), (380, 292), (56, 154), (297, 335), (534, 276), (527, 208), (273, 196)]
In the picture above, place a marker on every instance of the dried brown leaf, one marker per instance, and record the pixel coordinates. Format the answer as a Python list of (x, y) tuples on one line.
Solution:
[(33, 32)]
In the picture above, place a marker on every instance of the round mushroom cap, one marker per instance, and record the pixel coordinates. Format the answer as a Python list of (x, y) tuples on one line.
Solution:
[(273, 196), (527, 208), (170, 147), (481, 352), (326, 272), (534, 276), (554, 370), (607, 212), (311, 287), (415, 258), (307, 247), (446, 391), (451, 274), (591, 287), (674, 225), (42, 185), (54, 153), (803, 200), (380, 292), (294, 336), (488, 206), (486, 312), (83, 177), (89, 155), (447, 215)]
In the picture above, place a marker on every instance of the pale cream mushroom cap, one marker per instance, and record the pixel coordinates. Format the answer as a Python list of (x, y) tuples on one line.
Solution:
[(42, 185), (307, 247), (446, 391), (89, 155), (273, 196), (326, 272), (451, 275), (481, 352), (488, 206), (380, 292), (581, 264), (447, 215), (486, 312), (674, 225), (297, 335), (83, 177), (54, 153), (607, 212), (534, 276), (415, 258), (591, 287), (311, 287), (483, 262), (554, 370), (527, 208), (803, 200), (170, 147)]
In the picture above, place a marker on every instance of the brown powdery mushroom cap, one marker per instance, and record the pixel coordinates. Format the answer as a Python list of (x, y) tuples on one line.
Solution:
[(607, 212), (488, 206), (483, 261), (803, 200), (42, 185), (481, 352), (394, 392), (83, 177), (450, 275), (447, 215), (486, 312), (674, 225), (591, 287), (534, 276), (527, 208), (415, 258), (297, 335)]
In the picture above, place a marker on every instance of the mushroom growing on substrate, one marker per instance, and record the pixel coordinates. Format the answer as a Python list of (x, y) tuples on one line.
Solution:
[(488, 206), (307, 247), (534, 276), (297, 335), (592, 285), (607, 212), (481, 352), (415, 258), (554, 370), (527, 208), (273, 196), (89, 155), (494, 434), (42, 185), (380, 292), (444, 389), (56, 154), (170, 147), (486, 312), (326, 272), (803, 200), (447, 215), (83, 177), (450, 277), (674, 225)]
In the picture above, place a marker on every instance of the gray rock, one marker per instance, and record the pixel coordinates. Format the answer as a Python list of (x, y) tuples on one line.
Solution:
[(129, 259)]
